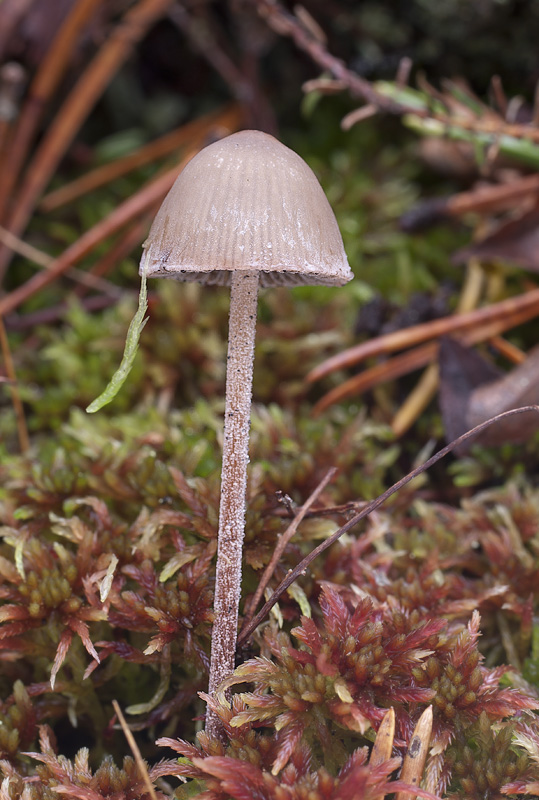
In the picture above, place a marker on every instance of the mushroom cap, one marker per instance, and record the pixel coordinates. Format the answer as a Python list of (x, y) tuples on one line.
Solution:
[(247, 203)]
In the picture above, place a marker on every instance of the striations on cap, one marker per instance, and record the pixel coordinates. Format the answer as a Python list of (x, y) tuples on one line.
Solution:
[(248, 203)]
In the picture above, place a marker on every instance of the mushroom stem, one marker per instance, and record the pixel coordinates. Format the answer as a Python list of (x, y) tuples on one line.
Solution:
[(239, 380)]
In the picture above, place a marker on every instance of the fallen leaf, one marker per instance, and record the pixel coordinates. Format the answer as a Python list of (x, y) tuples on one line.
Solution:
[(473, 390), (516, 241)]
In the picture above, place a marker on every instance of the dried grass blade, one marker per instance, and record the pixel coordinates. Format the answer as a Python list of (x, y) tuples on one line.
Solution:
[(383, 744), (416, 755), (143, 769)]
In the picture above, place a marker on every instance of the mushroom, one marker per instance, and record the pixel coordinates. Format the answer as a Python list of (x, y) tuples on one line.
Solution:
[(244, 211)]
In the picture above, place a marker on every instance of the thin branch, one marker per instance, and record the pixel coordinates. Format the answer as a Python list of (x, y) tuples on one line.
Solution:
[(286, 24), (36, 256), (143, 769), (24, 322), (425, 389), (201, 37), (301, 568), (284, 540)]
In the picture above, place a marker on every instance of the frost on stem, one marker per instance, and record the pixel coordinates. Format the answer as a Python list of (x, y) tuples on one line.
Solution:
[(239, 381)]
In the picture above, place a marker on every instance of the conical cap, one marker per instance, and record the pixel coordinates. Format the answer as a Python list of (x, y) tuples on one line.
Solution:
[(248, 203)]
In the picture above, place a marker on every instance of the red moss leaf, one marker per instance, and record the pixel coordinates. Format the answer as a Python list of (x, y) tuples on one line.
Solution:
[(61, 651), (288, 742)]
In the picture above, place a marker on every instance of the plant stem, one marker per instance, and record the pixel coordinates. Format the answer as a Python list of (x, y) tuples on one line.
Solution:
[(239, 380)]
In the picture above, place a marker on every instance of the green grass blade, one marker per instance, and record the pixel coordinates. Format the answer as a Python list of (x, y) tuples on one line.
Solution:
[(131, 346)]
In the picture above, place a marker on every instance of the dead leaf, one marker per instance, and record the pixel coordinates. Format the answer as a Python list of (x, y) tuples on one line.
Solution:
[(516, 241), (473, 390)]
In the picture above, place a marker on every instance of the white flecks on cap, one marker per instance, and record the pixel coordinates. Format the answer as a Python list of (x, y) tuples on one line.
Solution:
[(248, 203)]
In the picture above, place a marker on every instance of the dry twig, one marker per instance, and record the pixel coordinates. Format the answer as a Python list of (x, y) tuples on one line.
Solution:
[(283, 541), (135, 750)]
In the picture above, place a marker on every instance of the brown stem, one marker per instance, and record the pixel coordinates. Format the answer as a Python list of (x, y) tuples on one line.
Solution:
[(286, 24), (419, 357), (239, 380)]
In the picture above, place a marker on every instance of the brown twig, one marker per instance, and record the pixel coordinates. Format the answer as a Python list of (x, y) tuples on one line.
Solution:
[(425, 389), (22, 430), (165, 145), (484, 200), (40, 91), (76, 108), (388, 370), (286, 24), (24, 322), (529, 301), (242, 77), (283, 541), (301, 568), (202, 38), (508, 349)]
